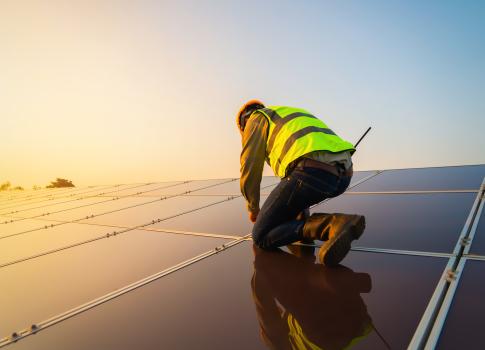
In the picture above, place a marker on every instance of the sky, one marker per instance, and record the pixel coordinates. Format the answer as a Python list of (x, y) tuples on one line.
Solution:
[(107, 92)]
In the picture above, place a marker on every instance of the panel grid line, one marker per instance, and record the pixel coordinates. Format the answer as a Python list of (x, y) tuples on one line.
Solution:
[(46, 192), (52, 197), (89, 197), (105, 213)]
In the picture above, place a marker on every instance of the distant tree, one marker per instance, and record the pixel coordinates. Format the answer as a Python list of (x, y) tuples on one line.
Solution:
[(35, 187), (60, 183), (18, 188), (5, 186)]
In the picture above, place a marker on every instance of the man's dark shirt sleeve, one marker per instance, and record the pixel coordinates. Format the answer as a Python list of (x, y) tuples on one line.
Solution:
[(252, 159)]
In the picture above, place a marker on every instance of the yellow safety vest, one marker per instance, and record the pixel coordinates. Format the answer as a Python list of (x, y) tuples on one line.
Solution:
[(294, 132)]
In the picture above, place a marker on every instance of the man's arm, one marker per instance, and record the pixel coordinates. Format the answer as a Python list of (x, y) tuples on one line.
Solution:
[(252, 160)]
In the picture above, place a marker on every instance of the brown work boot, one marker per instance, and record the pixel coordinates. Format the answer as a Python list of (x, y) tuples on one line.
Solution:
[(338, 231), (316, 227), (344, 229)]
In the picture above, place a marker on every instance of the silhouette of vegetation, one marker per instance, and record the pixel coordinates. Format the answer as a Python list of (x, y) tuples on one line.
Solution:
[(7, 186), (60, 183), (35, 187)]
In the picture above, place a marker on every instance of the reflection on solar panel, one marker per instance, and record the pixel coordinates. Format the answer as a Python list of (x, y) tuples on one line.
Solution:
[(171, 265)]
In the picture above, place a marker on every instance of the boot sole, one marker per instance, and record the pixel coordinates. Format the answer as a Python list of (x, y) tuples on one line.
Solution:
[(335, 249)]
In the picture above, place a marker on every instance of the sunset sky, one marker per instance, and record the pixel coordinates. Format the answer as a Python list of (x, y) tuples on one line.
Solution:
[(105, 92)]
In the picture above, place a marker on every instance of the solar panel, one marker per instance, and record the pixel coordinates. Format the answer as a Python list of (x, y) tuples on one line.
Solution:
[(190, 186), (40, 288), (465, 323), (142, 189), (427, 179), (225, 301), (232, 188), (140, 210), (18, 247), (360, 175), (171, 265), (423, 222), (229, 219), (60, 196)]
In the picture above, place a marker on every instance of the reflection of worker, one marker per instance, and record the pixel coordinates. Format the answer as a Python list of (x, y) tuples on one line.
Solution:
[(302, 305), (314, 164)]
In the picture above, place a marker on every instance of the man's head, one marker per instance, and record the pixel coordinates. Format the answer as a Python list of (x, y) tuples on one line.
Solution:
[(245, 112)]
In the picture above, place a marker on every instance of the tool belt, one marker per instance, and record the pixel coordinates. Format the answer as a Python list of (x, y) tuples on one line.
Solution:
[(334, 169)]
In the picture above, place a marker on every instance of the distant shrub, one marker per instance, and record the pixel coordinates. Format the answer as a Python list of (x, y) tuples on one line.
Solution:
[(60, 183), (5, 186), (35, 187)]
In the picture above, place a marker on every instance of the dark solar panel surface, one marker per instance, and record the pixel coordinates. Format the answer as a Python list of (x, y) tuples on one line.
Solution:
[(229, 219), (57, 282), (427, 179), (60, 251), (424, 222), (224, 299), (464, 326)]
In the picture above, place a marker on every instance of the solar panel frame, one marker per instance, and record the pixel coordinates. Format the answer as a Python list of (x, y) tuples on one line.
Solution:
[(429, 331)]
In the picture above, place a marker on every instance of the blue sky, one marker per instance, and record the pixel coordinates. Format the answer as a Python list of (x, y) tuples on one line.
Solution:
[(107, 92)]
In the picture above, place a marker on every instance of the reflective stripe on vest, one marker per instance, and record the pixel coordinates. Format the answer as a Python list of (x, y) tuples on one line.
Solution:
[(293, 133)]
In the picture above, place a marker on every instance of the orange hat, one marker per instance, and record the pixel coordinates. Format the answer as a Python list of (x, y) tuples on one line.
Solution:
[(243, 108)]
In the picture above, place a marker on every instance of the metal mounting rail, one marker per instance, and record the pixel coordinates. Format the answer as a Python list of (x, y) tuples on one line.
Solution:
[(464, 245), (428, 331), (468, 241), (402, 252), (40, 326), (453, 279)]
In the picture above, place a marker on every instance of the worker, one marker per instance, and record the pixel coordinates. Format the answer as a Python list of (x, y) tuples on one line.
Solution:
[(313, 163)]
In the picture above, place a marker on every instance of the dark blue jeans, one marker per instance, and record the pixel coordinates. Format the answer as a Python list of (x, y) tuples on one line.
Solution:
[(276, 224)]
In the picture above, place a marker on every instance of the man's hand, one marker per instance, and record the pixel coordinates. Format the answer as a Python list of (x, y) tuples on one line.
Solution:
[(253, 216)]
